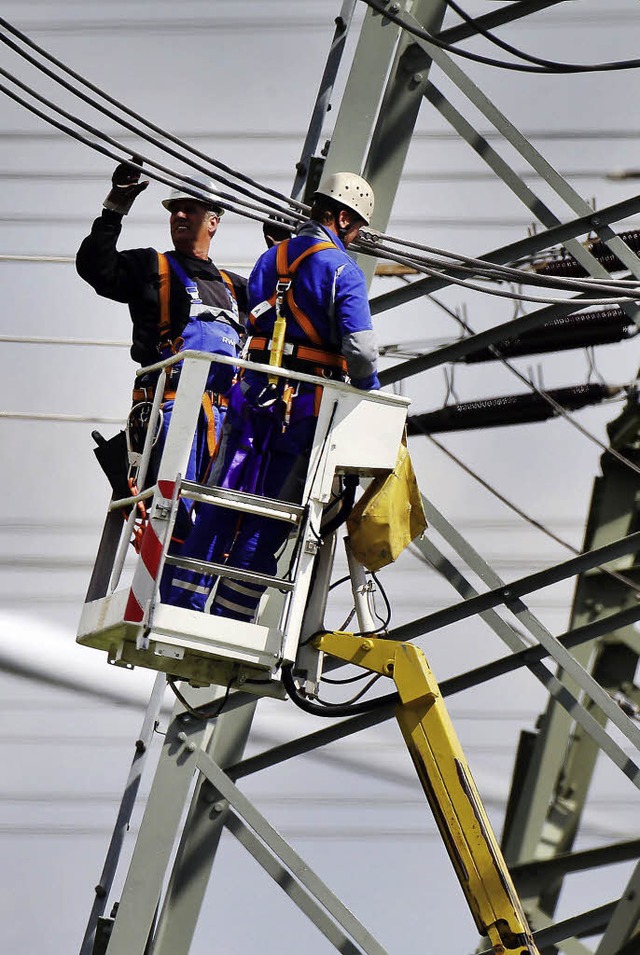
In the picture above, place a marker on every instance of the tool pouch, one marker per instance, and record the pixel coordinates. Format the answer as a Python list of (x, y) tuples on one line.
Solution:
[(388, 516)]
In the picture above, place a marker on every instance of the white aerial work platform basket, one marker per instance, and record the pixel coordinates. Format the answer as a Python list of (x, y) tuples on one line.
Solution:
[(357, 433)]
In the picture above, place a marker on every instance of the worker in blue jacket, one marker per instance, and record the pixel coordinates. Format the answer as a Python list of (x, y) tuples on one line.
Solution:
[(321, 294)]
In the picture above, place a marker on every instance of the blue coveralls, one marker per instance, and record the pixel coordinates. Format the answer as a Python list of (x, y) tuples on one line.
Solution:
[(260, 451), (211, 330)]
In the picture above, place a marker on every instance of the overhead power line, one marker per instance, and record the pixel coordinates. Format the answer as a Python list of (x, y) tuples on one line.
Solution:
[(534, 65), (399, 222), (192, 26), (145, 129), (421, 262), (549, 65), (252, 209), (59, 418), (434, 261), (41, 340), (189, 26)]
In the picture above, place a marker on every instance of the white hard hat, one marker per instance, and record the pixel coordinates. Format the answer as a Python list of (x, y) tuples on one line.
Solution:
[(351, 191), (199, 182)]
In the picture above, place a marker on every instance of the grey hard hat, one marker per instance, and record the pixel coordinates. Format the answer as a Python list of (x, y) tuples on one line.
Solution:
[(351, 191), (203, 182)]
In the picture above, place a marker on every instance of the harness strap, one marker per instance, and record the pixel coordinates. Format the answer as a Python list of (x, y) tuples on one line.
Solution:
[(164, 325), (226, 278), (286, 273), (164, 272), (318, 247), (317, 356), (207, 407), (146, 394)]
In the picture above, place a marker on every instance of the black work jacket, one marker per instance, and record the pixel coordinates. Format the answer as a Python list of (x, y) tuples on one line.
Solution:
[(132, 277)]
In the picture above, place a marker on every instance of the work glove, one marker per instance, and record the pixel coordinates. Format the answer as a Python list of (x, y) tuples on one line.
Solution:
[(125, 187)]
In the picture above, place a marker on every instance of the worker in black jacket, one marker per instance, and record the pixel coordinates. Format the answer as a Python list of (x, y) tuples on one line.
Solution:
[(177, 300)]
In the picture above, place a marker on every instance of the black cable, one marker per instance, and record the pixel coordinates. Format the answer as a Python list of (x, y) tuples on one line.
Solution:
[(201, 712), (434, 260), (384, 623), (341, 580), (195, 188), (381, 8), (114, 116), (359, 694), (347, 679), (263, 208), (553, 66), (345, 500), (139, 132), (140, 119), (333, 711)]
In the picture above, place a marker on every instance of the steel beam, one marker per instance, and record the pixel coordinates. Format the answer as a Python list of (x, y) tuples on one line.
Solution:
[(547, 807), (199, 841), (580, 225), (380, 105), (531, 155), (624, 921), (142, 889), (509, 13), (397, 117), (362, 95), (323, 98), (125, 812), (296, 866)]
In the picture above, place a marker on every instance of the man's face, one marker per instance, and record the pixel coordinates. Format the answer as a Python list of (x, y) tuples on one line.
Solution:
[(191, 224)]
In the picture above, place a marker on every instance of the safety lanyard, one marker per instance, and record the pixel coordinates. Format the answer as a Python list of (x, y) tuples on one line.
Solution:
[(284, 290), (284, 293)]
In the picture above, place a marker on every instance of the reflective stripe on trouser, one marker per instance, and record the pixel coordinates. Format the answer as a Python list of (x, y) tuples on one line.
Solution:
[(255, 548), (197, 466), (209, 540), (247, 542), (236, 599)]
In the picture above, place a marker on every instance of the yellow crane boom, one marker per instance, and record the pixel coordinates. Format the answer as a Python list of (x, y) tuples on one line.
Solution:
[(448, 784)]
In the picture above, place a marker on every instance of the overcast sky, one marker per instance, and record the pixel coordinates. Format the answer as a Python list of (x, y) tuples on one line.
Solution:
[(239, 81)]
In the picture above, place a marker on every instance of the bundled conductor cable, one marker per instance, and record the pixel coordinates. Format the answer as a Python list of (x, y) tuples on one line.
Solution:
[(578, 330), (509, 409), (562, 263)]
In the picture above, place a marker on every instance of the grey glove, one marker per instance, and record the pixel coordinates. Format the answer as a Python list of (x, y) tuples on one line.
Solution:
[(125, 187)]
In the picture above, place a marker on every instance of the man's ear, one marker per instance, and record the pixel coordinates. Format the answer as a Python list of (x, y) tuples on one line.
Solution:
[(344, 219), (214, 222)]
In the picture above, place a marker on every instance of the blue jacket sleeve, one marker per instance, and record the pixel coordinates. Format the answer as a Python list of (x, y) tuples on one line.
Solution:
[(353, 321)]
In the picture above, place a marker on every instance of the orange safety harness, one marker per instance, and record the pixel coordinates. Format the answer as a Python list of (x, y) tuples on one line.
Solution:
[(277, 351), (167, 345)]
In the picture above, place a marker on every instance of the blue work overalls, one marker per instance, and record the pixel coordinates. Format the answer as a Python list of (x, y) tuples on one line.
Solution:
[(265, 446), (211, 330)]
